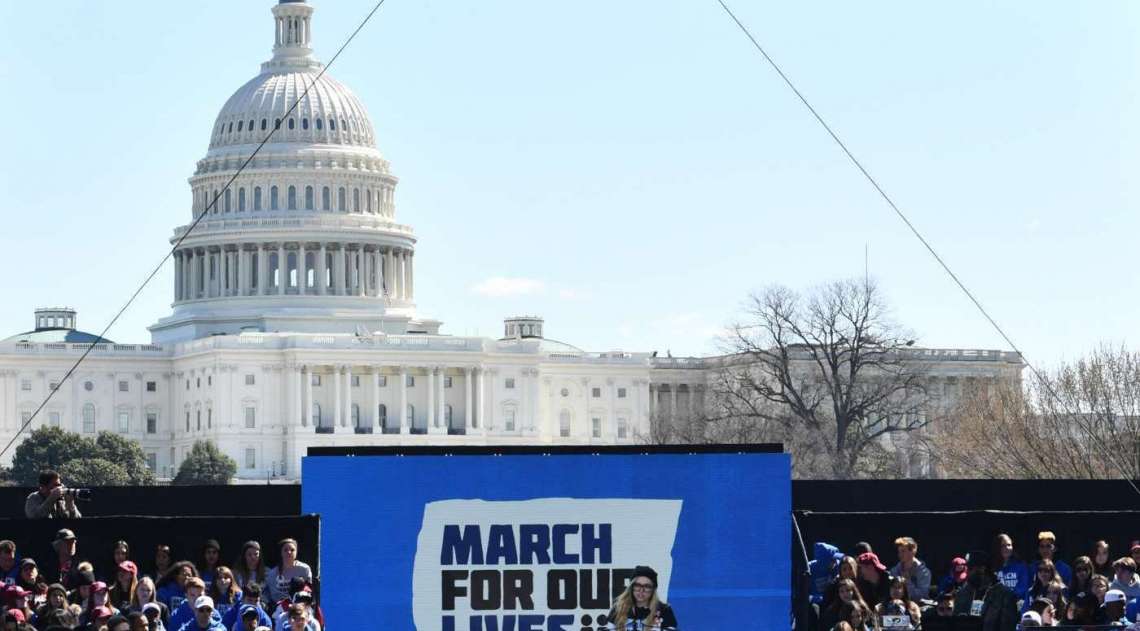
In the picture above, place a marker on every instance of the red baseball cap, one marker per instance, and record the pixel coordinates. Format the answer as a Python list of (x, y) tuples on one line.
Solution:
[(129, 566), (98, 586), (102, 612), (870, 558), (958, 574), (15, 615)]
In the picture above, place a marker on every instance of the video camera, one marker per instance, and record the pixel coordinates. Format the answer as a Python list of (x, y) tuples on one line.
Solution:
[(81, 495)]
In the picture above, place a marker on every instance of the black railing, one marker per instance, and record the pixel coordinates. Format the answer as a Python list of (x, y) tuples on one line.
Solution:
[(325, 429)]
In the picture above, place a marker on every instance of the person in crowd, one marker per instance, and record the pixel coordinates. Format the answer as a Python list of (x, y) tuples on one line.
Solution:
[(249, 567), (146, 593), (163, 559), (1056, 595), (823, 569), (1134, 552), (1031, 620), (1082, 610), (99, 599), (1101, 558), (195, 589), (97, 618), (1046, 573), (849, 569), (126, 582), (64, 564), (872, 581), (1112, 611), (1046, 610), (842, 625), (29, 577), (247, 618), (900, 596), (1099, 586), (985, 597), (57, 610), (153, 614), (208, 565), (224, 591), (81, 594), (205, 617), (172, 587), (1011, 570), (861, 548), (857, 615), (120, 551), (49, 500), (1046, 551), (277, 579), (912, 568), (845, 592), (118, 622), (299, 619), (637, 604), (955, 578), (9, 568), (302, 597), (1082, 574), (15, 597), (251, 595), (1125, 578)]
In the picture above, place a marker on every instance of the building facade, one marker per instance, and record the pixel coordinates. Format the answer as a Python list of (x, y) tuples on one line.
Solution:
[(294, 322)]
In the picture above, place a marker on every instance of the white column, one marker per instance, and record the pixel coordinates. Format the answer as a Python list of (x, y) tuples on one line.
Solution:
[(431, 422), (411, 274), (302, 273), (187, 275), (442, 402), (375, 415), (407, 293), (468, 413), (361, 271), (347, 396), (322, 272), (403, 400), (282, 269), (398, 276), (338, 271), (336, 396), (262, 269), (241, 269), (673, 401), (177, 276), (298, 399), (652, 401), (307, 412), (481, 404)]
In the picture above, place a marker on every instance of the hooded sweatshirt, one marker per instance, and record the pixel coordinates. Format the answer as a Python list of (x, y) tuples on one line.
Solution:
[(185, 612), (192, 625), (1015, 575), (822, 569), (231, 618)]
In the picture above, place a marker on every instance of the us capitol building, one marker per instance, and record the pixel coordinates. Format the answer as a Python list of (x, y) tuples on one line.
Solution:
[(294, 321)]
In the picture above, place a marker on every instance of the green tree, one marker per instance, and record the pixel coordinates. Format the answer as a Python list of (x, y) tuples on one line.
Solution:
[(48, 448), (127, 454), (205, 465), (94, 472)]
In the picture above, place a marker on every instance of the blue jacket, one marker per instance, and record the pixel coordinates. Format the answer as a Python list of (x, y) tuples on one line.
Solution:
[(231, 618), (192, 625), (822, 569), (171, 592), (185, 612), (1016, 576), (1132, 610), (1063, 569)]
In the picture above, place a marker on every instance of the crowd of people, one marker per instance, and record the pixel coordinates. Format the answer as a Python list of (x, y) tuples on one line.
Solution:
[(856, 591), (66, 590)]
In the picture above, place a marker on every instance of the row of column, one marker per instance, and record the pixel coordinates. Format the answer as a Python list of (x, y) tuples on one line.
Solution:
[(264, 269), (657, 390), (301, 381)]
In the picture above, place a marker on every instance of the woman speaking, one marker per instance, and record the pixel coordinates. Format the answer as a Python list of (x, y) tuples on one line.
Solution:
[(638, 608)]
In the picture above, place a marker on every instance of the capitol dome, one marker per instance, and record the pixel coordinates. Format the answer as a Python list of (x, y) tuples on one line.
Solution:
[(293, 210)]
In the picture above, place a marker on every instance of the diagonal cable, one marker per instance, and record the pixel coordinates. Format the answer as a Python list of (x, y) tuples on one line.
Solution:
[(1096, 439), (194, 224)]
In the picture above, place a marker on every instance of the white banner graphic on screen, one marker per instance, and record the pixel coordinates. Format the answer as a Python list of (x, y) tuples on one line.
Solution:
[(535, 565)]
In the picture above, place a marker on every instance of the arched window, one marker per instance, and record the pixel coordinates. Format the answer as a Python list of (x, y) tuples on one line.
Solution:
[(368, 196), (355, 200), (342, 125), (257, 198), (199, 420), (231, 128), (332, 124), (292, 197), (318, 124), (273, 198), (226, 202), (355, 415), (316, 414), (215, 198), (264, 124), (277, 123), (304, 123), (292, 123), (308, 198), (239, 125), (241, 200), (89, 418), (340, 201), (564, 424), (250, 128), (209, 418), (326, 199)]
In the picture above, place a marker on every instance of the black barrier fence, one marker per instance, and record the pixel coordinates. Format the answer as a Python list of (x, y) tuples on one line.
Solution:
[(847, 496), (185, 536), (275, 499)]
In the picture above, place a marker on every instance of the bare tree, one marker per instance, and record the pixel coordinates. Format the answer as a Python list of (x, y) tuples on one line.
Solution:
[(1082, 420), (828, 373)]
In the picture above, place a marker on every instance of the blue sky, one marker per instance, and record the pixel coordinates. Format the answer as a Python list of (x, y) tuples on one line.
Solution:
[(629, 170)]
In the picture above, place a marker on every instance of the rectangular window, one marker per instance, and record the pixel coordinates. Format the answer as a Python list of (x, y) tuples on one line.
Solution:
[(410, 381), (152, 386), (124, 422), (356, 381), (510, 384), (316, 380), (621, 393), (124, 386), (26, 385), (383, 381), (509, 420), (210, 380), (447, 382), (209, 418), (596, 393), (623, 428), (187, 421), (152, 422), (249, 380), (53, 419), (250, 458), (152, 461), (27, 416), (250, 417), (596, 427), (187, 384)]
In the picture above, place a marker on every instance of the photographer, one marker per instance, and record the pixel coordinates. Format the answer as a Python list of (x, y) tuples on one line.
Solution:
[(52, 500)]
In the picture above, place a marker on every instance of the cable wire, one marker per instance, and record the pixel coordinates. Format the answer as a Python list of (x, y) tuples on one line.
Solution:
[(213, 204), (1097, 440)]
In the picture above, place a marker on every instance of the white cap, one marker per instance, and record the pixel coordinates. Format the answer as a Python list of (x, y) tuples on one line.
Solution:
[(1115, 595), (1031, 616), (204, 601)]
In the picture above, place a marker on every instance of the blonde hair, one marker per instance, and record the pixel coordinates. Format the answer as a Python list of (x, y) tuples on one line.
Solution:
[(1046, 535), (153, 592), (624, 605), (907, 542)]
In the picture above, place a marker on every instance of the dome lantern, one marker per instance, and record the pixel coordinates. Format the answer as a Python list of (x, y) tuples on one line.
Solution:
[(292, 37)]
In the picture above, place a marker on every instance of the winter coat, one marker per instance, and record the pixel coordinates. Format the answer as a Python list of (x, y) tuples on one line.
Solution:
[(822, 569)]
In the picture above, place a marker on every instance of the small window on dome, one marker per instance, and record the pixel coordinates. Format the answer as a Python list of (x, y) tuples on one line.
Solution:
[(250, 128), (277, 124), (227, 200), (304, 123), (368, 196), (257, 198), (241, 200), (326, 199), (318, 124), (332, 124), (273, 198), (340, 200), (239, 125), (292, 198), (343, 125), (308, 198), (231, 129), (355, 200), (264, 124), (292, 123)]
